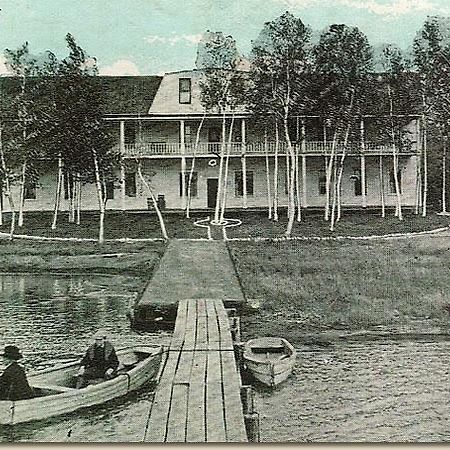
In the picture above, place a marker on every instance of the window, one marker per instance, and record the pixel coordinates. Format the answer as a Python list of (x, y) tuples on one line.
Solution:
[(130, 184), (392, 181), (186, 184), (322, 182), (184, 87), (239, 183), (30, 190), (357, 182), (109, 190), (130, 133)]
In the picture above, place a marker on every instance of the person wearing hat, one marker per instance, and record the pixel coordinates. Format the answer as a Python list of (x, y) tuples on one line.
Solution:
[(99, 362), (13, 381)]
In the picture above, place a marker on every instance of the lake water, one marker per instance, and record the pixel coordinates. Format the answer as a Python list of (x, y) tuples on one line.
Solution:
[(376, 391)]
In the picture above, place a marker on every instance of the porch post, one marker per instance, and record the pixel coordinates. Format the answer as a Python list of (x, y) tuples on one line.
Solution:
[(244, 163), (363, 166), (122, 164), (303, 147), (183, 165)]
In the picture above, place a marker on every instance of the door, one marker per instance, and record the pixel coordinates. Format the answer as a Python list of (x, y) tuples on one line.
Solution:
[(212, 186)]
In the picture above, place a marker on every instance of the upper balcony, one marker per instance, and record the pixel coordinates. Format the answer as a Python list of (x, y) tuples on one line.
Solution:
[(208, 149)]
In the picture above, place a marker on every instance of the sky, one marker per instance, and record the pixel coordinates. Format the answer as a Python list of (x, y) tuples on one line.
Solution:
[(148, 37)]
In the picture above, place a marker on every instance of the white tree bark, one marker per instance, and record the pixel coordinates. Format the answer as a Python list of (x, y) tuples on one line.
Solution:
[(22, 194), (269, 196), (101, 201), (58, 192), (8, 193), (191, 172), (154, 201), (275, 173), (225, 178), (444, 179), (381, 176)]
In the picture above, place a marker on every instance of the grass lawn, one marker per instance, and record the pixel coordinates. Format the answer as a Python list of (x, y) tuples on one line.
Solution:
[(33, 256), (305, 286), (117, 225), (144, 225), (355, 223)]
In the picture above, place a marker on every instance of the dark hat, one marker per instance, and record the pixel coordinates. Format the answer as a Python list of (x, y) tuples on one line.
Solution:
[(12, 352)]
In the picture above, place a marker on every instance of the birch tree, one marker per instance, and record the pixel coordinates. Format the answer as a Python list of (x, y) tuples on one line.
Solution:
[(218, 58), (343, 62), (280, 75), (431, 51)]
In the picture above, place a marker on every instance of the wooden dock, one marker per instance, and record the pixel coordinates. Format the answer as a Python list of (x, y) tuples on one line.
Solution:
[(188, 270), (198, 395)]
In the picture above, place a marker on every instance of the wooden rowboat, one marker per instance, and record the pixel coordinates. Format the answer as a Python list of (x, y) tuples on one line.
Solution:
[(56, 393), (269, 359)]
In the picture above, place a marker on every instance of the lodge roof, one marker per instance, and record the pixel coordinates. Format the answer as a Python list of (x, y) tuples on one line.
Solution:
[(123, 94), (129, 94)]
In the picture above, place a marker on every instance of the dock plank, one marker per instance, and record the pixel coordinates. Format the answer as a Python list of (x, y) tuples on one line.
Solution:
[(176, 422), (198, 396), (215, 423), (185, 365), (180, 326), (159, 413), (196, 423), (201, 342)]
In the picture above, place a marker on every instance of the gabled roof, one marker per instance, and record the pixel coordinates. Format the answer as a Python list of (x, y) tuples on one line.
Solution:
[(123, 95), (129, 94)]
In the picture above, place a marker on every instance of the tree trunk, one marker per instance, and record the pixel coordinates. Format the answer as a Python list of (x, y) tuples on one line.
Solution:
[(297, 185), (8, 193), (72, 195), (22, 194), (275, 174), (425, 167), (191, 172), (269, 196), (398, 210), (219, 182), (58, 193), (444, 178), (328, 175), (383, 207), (154, 201), (78, 199), (291, 179), (100, 195), (225, 178)]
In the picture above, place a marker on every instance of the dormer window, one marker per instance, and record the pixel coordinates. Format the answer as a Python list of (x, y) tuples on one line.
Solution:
[(184, 90)]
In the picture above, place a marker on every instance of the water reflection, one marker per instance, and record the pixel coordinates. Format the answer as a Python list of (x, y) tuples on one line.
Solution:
[(51, 319)]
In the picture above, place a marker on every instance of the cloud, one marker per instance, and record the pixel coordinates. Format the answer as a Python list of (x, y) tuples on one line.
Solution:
[(120, 68), (190, 39), (381, 8)]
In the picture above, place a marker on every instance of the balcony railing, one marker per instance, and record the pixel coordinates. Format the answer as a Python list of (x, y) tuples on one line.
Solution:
[(254, 148)]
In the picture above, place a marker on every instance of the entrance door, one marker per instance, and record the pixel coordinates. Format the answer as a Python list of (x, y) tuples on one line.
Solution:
[(212, 186)]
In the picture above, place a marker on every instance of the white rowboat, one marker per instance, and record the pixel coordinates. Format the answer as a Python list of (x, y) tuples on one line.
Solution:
[(56, 393), (269, 359)]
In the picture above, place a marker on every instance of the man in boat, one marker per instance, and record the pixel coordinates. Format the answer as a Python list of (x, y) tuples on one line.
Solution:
[(100, 361), (13, 381)]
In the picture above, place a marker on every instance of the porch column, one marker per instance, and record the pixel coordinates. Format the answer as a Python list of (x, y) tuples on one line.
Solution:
[(303, 147), (244, 163), (183, 165), (122, 164), (363, 166)]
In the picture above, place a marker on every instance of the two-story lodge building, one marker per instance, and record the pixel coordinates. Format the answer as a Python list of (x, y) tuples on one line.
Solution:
[(156, 120)]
